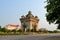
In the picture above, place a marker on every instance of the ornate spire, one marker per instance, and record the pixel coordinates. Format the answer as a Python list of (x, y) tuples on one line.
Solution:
[(23, 16), (36, 17), (29, 14)]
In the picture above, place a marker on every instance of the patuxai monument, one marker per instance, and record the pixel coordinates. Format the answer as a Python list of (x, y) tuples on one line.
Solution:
[(29, 22)]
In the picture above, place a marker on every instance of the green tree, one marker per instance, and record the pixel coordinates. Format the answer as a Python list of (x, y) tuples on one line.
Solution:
[(53, 12), (0, 28), (4, 29)]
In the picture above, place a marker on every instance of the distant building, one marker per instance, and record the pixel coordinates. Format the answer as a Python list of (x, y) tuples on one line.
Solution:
[(29, 21), (12, 27)]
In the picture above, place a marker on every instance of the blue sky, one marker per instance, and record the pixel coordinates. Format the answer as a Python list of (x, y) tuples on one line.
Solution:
[(12, 10)]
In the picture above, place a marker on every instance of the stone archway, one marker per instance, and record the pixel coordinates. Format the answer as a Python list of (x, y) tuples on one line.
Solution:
[(34, 27), (24, 27)]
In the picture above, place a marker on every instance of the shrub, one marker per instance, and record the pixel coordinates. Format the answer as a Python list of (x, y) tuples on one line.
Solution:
[(20, 30)]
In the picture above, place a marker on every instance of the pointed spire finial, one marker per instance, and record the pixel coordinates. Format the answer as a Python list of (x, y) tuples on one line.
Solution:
[(29, 12)]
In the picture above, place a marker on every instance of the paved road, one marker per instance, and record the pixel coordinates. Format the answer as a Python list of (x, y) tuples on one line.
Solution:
[(38, 37)]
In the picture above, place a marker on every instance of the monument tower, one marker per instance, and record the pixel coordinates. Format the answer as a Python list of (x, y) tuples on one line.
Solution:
[(29, 21)]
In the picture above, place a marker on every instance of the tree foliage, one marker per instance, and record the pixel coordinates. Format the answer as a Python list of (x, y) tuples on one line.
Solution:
[(53, 12)]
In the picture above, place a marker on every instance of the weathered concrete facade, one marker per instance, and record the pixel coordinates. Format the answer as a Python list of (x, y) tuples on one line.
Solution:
[(29, 21)]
